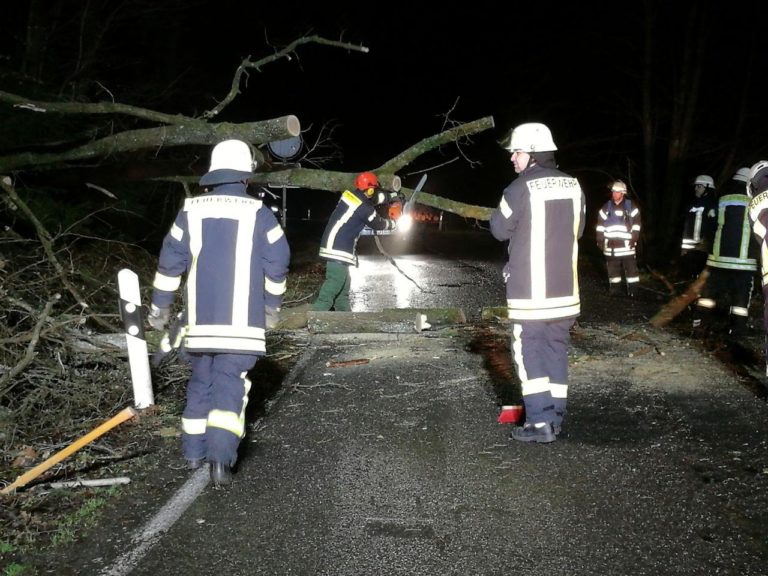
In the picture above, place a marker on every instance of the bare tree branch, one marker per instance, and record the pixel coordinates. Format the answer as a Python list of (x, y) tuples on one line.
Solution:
[(451, 135), (286, 52), (30, 351), (24, 103), (47, 243), (193, 133), (331, 181)]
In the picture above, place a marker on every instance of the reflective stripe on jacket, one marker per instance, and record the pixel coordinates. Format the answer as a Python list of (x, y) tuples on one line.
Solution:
[(618, 228), (235, 256), (700, 223), (733, 247), (353, 213), (541, 214), (758, 215)]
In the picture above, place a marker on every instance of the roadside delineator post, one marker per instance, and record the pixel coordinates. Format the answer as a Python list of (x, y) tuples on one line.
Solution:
[(133, 321), (138, 356)]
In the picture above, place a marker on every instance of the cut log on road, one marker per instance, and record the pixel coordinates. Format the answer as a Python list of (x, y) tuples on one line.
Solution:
[(495, 313), (293, 318), (435, 316), (394, 320), (675, 306), (345, 363)]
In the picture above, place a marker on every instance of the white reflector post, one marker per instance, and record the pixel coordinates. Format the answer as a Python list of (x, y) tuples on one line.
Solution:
[(138, 356)]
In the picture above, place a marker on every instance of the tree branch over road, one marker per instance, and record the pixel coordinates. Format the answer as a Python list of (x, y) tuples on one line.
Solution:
[(179, 130)]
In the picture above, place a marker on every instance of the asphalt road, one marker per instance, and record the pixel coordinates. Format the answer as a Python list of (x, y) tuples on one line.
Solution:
[(398, 466)]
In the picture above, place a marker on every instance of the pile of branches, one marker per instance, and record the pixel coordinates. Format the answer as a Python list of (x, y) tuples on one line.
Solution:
[(58, 299)]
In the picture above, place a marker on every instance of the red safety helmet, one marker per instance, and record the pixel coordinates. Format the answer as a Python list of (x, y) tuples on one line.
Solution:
[(366, 180)]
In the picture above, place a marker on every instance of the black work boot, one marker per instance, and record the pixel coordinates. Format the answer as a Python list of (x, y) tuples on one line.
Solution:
[(737, 327), (530, 433), (194, 463), (221, 474)]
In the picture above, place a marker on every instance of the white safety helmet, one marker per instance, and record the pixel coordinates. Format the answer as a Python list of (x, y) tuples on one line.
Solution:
[(705, 180), (619, 186), (742, 174), (231, 161), (757, 173), (531, 137)]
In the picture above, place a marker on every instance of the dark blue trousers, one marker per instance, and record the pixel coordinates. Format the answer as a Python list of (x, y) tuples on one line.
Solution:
[(213, 421), (540, 355)]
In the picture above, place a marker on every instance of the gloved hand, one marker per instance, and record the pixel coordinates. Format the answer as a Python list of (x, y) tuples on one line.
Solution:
[(272, 316), (391, 224), (158, 317), (379, 198)]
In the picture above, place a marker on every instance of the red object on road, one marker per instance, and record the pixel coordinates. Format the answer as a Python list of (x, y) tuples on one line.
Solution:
[(510, 414)]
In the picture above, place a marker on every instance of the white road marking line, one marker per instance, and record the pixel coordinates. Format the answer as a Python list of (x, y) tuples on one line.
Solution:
[(150, 533)]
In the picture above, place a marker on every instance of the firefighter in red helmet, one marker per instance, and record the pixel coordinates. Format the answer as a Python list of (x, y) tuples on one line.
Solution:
[(356, 210)]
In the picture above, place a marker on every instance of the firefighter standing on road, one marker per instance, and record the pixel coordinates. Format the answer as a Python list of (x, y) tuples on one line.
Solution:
[(698, 228), (732, 261), (235, 257), (617, 233), (541, 215), (758, 216), (338, 247)]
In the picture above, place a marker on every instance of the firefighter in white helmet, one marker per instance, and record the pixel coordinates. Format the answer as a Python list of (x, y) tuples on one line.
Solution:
[(732, 262), (758, 216), (617, 234), (235, 257), (541, 217), (698, 228)]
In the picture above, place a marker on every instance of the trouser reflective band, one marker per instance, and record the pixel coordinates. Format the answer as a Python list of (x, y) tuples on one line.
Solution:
[(228, 421), (560, 400), (193, 432), (707, 303), (739, 311), (193, 425), (537, 397)]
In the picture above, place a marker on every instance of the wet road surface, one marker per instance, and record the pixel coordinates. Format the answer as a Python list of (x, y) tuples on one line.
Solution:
[(398, 465)]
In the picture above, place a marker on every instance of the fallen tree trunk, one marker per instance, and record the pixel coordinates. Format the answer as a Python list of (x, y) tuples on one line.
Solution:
[(194, 132), (391, 320), (675, 306), (336, 181), (315, 179), (178, 129)]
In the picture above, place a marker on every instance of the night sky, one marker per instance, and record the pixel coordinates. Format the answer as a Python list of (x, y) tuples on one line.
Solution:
[(575, 66)]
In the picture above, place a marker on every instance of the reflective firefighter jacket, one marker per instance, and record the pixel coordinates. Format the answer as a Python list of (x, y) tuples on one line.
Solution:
[(541, 214), (353, 213), (758, 215), (733, 247), (235, 256), (618, 228), (700, 223)]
